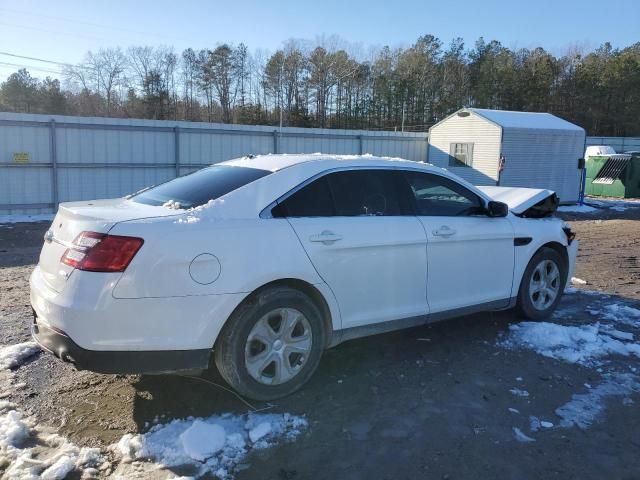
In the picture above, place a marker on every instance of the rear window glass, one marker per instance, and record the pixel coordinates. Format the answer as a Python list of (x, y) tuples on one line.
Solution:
[(199, 187), (314, 200), (366, 192)]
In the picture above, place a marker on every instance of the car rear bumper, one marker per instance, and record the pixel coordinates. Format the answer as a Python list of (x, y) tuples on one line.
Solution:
[(86, 311), (122, 362)]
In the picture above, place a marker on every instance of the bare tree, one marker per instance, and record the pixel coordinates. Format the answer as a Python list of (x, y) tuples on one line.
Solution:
[(220, 71)]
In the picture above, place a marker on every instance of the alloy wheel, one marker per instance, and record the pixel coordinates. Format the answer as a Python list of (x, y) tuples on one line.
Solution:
[(278, 346), (544, 285)]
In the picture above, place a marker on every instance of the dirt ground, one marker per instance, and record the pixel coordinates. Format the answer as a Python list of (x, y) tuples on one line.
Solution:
[(428, 402)]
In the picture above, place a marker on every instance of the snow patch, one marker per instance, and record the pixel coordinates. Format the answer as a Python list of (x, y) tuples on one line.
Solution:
[(12, 356), (584, 345), (577, 209), (60, 469), (615, 205), (619, 313), (584, 408), (172, 204), (521, 437), (587, 345), (536, 424), (202, 440), (27, 450), (13, 430), (260, 431), (519, 393), (214, 444), (21, 438), (578, 281), (193, 215)]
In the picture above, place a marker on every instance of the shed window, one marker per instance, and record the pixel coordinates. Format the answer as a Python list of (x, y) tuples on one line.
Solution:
[(461, 154)]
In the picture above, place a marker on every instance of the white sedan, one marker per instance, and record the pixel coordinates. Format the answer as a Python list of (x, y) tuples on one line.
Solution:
[(259, 264)]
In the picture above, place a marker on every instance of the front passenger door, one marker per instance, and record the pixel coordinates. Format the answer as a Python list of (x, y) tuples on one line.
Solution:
[(470, 256), (361, 236)]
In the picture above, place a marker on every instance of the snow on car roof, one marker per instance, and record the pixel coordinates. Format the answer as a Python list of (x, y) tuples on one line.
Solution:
[(510, 119), (275, 162)]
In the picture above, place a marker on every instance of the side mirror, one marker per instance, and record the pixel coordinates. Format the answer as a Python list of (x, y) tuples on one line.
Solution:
[(497, 209)]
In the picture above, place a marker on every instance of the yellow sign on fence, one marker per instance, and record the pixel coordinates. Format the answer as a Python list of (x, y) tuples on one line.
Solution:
[(21, 157)]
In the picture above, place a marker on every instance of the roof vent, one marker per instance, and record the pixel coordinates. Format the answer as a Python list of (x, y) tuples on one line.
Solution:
[(463, 114)]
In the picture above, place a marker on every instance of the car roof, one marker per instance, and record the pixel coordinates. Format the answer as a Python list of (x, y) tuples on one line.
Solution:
[(276, 162)]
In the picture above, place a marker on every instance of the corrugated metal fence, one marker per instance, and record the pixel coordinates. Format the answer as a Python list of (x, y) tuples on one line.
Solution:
[(620, 144), (45, 160)]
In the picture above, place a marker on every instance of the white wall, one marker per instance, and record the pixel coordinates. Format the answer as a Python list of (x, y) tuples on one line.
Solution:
[(485, 137), (543, 159)]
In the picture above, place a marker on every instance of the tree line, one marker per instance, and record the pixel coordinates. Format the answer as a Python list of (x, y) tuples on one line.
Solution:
[(321, 85)]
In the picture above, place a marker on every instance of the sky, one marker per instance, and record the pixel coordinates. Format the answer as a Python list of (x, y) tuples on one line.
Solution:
[(64, 30)]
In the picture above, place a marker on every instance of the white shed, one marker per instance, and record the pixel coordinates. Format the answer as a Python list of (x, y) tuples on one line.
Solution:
[(540, 150)]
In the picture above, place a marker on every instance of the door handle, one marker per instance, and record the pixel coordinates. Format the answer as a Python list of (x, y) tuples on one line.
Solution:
[(444, 231), (325, 237)]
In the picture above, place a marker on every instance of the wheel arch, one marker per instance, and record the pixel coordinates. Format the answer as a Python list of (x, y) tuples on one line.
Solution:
[(558, 247), (303, 286), (554, 245)]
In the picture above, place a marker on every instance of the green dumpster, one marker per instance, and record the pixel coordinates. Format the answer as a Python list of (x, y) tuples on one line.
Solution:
[(614, 175)]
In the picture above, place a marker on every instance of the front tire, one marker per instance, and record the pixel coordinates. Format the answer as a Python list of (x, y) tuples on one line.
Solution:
[(542, 284), (272, 344)]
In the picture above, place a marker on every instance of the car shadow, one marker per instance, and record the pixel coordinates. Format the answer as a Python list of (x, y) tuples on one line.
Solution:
[(168, 397), (430, 387)]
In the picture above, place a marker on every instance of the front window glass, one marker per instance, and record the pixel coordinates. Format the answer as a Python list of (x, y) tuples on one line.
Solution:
[(439, 196), (313, 200)]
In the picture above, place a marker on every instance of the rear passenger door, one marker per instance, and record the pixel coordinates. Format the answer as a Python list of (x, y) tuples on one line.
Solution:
[(358, 229), (470, 256)]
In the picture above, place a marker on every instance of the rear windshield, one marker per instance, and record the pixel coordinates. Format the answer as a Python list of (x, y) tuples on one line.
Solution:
[(199, 187)]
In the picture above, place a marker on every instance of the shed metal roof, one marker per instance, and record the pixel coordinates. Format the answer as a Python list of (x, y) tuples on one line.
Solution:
[(535, 120)]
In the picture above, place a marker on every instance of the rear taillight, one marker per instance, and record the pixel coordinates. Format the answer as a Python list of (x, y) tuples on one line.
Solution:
[(99, 252)]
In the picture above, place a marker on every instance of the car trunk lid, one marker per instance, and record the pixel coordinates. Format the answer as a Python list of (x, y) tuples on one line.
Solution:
[(94, 216), (526, 202)]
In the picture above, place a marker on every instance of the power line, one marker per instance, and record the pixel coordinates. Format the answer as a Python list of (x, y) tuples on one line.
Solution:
[(91, 24), (60, 64), (31, 67), (38, 29), (36, 59)]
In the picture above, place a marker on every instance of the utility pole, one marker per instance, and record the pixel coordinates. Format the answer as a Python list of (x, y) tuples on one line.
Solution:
[(281, 99)]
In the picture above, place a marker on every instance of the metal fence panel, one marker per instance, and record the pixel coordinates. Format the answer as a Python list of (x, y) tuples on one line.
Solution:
[(107, 182), (620, 144), (81, 145), (75, 158)]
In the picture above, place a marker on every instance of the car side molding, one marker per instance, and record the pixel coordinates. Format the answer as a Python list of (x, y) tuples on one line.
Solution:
[(402, 323)]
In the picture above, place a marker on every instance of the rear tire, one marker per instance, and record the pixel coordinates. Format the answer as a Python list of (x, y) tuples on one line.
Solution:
[(272, 344), (542, 284)]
